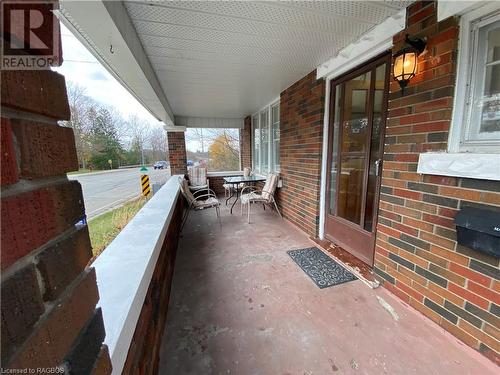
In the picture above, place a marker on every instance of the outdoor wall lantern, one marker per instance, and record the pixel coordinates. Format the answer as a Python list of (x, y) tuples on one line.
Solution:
[(405, 60)]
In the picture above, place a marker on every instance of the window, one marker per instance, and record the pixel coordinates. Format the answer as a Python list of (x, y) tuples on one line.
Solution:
[(275, 136), (255, 142), (218, 149), (476, 118), (474, 142), (266, 139)]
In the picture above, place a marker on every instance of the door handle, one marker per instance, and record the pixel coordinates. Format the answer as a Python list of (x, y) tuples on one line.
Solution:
[(377, 167)]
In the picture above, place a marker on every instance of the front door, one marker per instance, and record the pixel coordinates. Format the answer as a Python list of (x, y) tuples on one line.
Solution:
[(358, 110)]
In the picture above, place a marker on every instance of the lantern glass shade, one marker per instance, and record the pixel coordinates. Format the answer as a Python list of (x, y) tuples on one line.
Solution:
[(405, 65)]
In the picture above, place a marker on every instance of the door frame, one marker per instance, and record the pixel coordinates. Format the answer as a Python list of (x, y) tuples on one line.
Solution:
[(327, 147)]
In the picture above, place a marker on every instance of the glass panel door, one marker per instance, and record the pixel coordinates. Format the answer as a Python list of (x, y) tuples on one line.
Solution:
[(358, 103), (353, 147), (334, 149), (375, 146)]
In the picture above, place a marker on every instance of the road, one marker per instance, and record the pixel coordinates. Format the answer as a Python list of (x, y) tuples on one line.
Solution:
[(103, 191)]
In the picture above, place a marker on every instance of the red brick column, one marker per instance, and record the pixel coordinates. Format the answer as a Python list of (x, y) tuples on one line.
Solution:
[(246, 144), (417, 256), (49, 295), (177, 152)]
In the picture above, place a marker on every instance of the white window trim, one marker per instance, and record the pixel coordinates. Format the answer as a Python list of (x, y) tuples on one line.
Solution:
[(447, 9), (267, 108), (256, 168), (224, 173), (454, 163), (271, 145), (459, 123)]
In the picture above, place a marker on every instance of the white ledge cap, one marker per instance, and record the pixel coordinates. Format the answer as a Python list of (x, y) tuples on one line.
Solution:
[(467, 165), (125, 268)]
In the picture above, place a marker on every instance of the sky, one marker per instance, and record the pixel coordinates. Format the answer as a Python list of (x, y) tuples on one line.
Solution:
[(81, 67)]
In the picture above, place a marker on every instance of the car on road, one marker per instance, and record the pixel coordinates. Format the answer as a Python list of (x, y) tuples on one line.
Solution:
[(190, 163), (161, 164)]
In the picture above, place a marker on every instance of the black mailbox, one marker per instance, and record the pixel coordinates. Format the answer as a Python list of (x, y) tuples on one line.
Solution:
[(479, 229)]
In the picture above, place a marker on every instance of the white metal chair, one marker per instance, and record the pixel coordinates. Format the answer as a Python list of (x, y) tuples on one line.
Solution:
[(264, 196), (198, 179), (229, 188), (198, 201)]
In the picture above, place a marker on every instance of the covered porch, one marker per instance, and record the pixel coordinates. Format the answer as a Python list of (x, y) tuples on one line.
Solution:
[(311, 88), (240, 305), (212, 300)]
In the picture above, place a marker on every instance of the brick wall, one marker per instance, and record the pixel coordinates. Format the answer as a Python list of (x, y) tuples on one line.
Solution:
[(246, 144), (216, 183), (417, 256), (301, 127), (177, 152), (49, 295), (144, 349)]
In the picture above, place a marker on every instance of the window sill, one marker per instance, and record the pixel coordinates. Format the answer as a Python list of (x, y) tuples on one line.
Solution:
[(467, 165), (224, 173)]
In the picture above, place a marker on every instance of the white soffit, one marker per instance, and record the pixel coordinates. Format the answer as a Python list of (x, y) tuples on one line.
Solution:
[(209, 122), (372, 43), (105, 29), (228, 59)]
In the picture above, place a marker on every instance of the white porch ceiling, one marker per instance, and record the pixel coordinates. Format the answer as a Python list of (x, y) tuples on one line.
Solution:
[(229, 59)]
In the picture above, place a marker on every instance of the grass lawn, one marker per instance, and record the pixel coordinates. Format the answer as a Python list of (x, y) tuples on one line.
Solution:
[(104, 228)]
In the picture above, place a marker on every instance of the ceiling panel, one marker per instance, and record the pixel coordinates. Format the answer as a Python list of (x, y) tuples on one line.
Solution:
[(228, 59)]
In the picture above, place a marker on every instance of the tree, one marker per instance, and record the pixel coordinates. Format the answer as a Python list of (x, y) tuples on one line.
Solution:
[(101, 133), (230, 140), (132, 156), (139, 133), (158, 143), (79, 104), (222, 155), (104, 139), (200, 137)]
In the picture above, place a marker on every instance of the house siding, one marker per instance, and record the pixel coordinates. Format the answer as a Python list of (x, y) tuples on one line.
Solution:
[(301, 131), (417, 256)]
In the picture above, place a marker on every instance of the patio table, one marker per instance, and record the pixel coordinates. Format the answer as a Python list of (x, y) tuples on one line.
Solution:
[(236, 181)]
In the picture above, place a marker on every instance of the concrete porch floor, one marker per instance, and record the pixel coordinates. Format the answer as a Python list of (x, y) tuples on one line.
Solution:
[(240, 305)]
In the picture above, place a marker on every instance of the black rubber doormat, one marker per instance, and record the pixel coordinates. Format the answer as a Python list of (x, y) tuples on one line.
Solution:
[(322, 269)]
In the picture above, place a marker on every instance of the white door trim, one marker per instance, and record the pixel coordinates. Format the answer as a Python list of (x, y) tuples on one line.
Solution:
[(324, 162)]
